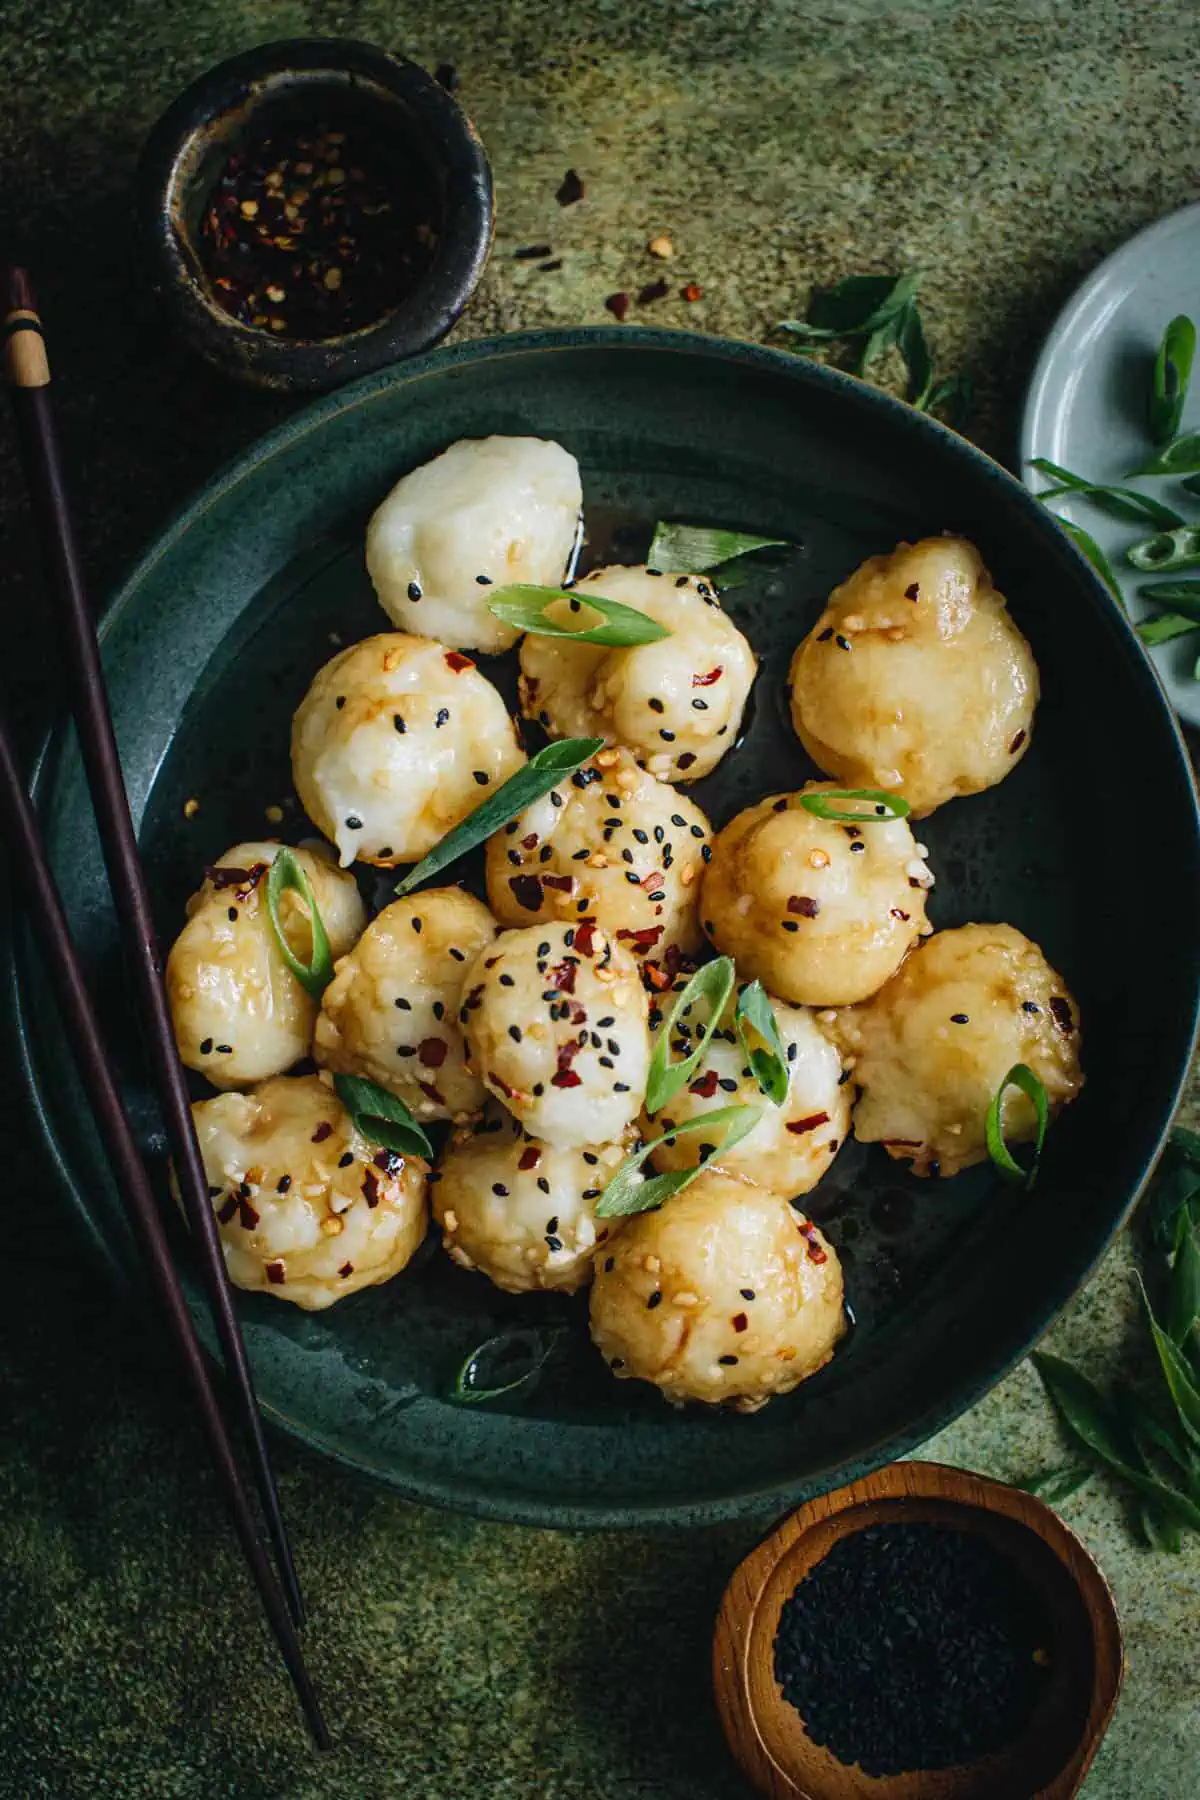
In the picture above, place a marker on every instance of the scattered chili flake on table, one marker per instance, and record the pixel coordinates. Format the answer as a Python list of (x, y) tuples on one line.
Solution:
[(693, 291), (617, 305), (311, 232), (570, 189)]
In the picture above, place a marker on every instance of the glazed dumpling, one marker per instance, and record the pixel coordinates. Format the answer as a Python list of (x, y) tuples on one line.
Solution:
[(486, 512), (238, 1011), (821, 913), (521, 1211), (613, 842), (391, 1011), (677, 704), (555, 1021), (395, 742), (792, 1145), (726, 1293), (934, 1045), (308, 1210), (915, 678)]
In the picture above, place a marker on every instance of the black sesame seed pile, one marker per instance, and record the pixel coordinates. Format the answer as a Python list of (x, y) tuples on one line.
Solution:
[(912, 1646)]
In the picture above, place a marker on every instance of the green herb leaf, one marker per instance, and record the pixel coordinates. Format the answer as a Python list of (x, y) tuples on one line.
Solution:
[(1161, 1532), (1177, 1373), (1095, 556), (1192, 484), (1171, 375), (540, 774), (860, 303), (1178, 549), (1053, 1485), (695, 549), (1165, 627), (1180, 457), (1022, 1077), (1123, 503), (525, 606), (713, 982), (914, 348), (502, 1364), (1183, 1310), (287, 872), (952, 400), (758, 1029), (1174, 1198), (626, 1194), (884, 808), (380, 1117), (1182, 596)]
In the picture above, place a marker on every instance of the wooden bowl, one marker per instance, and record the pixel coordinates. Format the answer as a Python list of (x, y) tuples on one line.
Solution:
[(1050, 1758)]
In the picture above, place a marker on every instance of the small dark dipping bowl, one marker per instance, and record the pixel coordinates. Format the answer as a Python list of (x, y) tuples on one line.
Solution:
[(408, 125)]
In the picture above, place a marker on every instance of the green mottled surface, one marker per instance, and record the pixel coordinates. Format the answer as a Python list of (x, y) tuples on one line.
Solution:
[(1003, 147)]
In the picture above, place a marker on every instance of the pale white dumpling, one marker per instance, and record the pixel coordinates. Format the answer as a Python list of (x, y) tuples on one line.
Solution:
[(822, 913), (611, 842), (308, 1210), (395, 742), (391, 1011), (555, 1024), (793, 1144), (677, 704), (934, 1045), (486, 512), (521, 1211), (915, 678), (238, 1011), (726, 1293)]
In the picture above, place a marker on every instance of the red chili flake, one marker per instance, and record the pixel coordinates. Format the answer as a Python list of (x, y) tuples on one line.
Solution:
[(370, 1188), (687, 759), (472, 999), (705, 1085), (247, 1217), (458, 662), (432, 1052), (565, 1078), (655, 978), (276, 1274), (346, 1269), (390, 1161), (897, 914), (707, 680), (1016, 743), (585, 937), (645, 939), (562, 977), (815, 1252), (739, 1321), (565, 1075), (527, 891), (578, 1013), (563, 884), (802, 904), (650, 882), (693, 291), (530, 842), (498, 1081), (324, 1130), (431, 1093), (1060, 1012), (222, 877), (913, 591), (617, 305), (226, 1212), (570, 189), (530, 1157), (653, 290), (810, 1123)]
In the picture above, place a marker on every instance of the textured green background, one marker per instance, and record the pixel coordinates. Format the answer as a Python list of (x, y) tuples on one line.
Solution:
[(1001, 147)]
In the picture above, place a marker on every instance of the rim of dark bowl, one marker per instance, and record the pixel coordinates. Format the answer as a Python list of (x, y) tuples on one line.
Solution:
[(183, 151)]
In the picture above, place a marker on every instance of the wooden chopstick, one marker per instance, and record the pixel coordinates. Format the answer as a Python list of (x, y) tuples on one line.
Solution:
[(44, 911), (28, 373)]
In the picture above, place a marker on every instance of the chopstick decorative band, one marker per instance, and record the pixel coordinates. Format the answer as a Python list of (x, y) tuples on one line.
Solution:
[(25, 361)]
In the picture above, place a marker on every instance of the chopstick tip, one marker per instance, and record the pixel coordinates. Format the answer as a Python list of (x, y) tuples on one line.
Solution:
[(18, 290)]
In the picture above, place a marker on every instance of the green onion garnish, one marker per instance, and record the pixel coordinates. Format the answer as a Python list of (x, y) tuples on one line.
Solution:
[(884, 808), (695, 549), (1180, 457), (758, 1030), (1095, 555), (1178, 549), (625, 1194), (380, 1117), (1166, 627), (525, 606), (1022, 1077), (1171, 375), (1123, 503), (713, 983), (287, 872), (1182, 596), (540, 774), (502, 1364)]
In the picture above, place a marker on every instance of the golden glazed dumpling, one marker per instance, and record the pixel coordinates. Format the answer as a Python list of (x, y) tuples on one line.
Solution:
[(555, 1022), (677, 704), (521, 1211), (821, 912), (308, 1209), (238, 1011), (726, 1293), (486, 512), (391, 1011), (915, 679), (395, 742), (934, 1045), (611, 841)]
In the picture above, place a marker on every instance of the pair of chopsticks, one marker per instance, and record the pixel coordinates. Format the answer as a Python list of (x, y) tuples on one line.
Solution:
[(28, 374)]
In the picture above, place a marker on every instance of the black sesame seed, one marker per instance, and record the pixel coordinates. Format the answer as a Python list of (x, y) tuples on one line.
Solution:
[(443, 718), (668, 737), (345, 1161), (340, 702), (656, 706), (553, 1243), (590, 1157), (630, 876), (481, 777), (398, 722), (788, 925), (543, 1184), (206, 1047), (841, 642), (746, 1293), (620, 1087), (706, 852), (727, 1360), (499, 1188), (507, 980), (857, 848), (353, 823), (458, 955), (654, 1300), (414, 590), (416, 925), (823, 637), (699, 705), (224, 1049), (283, 1184), (959, 1019), (514, 1032), (484, 580), (539, 1088)]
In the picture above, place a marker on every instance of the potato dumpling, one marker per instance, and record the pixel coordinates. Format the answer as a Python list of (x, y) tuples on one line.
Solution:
[(613, 842), (308, 1209), (555, 1021), (726, 1293), (395, 742), (238, 1011), (677, 704), (821, 913), (915, 678), (521, 1211), (391, 1011), (934, 1045), (792, 1145), (486, 512)]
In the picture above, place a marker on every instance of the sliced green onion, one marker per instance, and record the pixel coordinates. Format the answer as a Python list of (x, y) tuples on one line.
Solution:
[(1022, 1077), (1178, 549), (525, 606), (695, 549), (1165, 627), (1169, 380), (1180, 457), (502, 1364), (713, 983), (1123, 503), (540, 774), (626, 1193), (885, 808), (1095, 555), (1182, 596), (758, 1030), (288, 873), (380, 1117)]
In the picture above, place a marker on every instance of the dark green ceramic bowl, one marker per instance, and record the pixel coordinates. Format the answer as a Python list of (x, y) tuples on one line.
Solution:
[(209, 647)]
